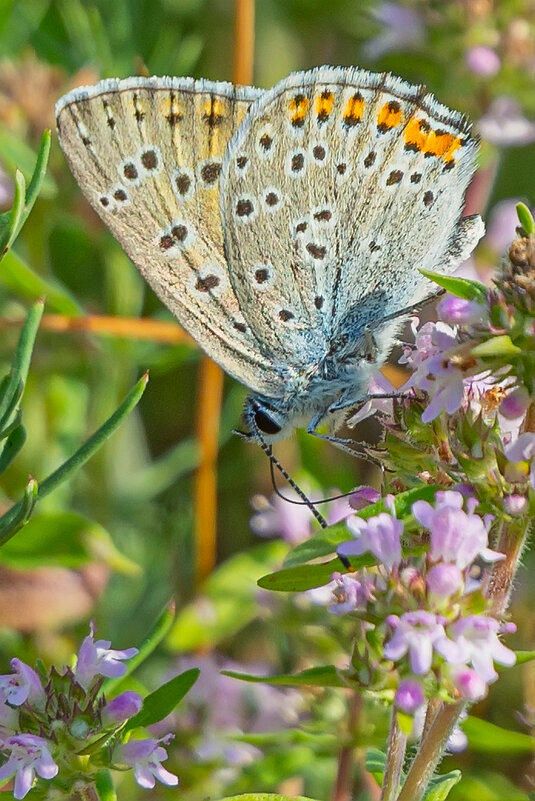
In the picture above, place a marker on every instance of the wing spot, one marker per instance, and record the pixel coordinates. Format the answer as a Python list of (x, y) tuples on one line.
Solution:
[(318, 302), (87, 141), (369, 161), (166, 242), (130, 171), (241, 327), (120, 195), (298, 110), (323, 216), (207, 283), (286, 315), (241, 162), (104, 201), (429, 199), (301, 227), (272, 199), (318, 151), (244, 207), (353, 110), (390, 115), (394, 177), (179, 232), (374, 246), (316, 251), (341, 168), (149, 159), (416, 177), (213, 112), (298, 162), (324, 105), (183, 183), (261, 275), (210, 172), (266, 142)]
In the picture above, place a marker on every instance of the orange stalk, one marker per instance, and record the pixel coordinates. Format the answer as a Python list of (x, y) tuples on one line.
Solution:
[(210, 387)]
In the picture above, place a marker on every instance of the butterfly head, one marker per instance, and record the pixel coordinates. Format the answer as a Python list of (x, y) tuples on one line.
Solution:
[(265, 419)]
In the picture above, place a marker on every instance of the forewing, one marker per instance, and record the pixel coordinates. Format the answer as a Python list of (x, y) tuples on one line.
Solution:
[(147, 153), (337, 187)]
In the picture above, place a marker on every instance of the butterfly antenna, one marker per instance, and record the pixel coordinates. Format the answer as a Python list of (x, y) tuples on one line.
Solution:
[(274, 462)]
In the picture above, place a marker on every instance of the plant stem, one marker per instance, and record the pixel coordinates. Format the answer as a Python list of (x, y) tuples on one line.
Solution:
[(430, 753), (343, 788), (397, 744)]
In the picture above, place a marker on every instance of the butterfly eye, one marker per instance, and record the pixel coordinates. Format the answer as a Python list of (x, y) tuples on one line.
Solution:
[(265, 423)]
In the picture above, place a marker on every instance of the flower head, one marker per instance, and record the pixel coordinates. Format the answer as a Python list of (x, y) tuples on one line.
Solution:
[(28, 755), (22, 685), (380, 535), (415, 633), (96, 658), (145, 757)]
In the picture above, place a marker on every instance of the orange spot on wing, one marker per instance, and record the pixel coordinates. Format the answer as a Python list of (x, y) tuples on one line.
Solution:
[(354, 109), (416, 133), (324, 104), (442, 144), (298, 106), (390, 115)]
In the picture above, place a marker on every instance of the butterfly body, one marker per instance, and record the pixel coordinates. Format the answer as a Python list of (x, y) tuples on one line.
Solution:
[(285, 229)]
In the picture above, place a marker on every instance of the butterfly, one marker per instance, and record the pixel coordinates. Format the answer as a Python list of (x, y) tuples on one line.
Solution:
[(284, 228)]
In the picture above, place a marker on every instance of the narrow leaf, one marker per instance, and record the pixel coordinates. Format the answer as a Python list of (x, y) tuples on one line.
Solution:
[(78, 459), (324, 676), (301, 578), (462, 287), (12, 446), (163, 701), (104, 786), (440, 786), (501, 345)]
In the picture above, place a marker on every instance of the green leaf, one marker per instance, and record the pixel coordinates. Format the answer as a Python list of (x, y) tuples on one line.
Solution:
[(24, 197), (439, 787), (266, 797), (65, 539), (104, 786), (323, 676), (18, 276), (7, 521), (488, 738), (302, 577), (462, 287), (525, 218), (501, 345), (375, 762), (217, 612), (162, 701), (12, 446), (524, 656)]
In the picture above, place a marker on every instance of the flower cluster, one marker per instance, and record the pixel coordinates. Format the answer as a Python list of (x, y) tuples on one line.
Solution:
[(54, 720), (424, 611)]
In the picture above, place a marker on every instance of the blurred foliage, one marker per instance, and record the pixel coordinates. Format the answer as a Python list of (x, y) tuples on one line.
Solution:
[(131, 503)]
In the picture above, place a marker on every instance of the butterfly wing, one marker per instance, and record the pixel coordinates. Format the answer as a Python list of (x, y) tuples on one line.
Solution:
[(336, 188), (147, 153)]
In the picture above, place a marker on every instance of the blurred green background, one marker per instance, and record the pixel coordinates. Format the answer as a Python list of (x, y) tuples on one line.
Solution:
[(137, 492)]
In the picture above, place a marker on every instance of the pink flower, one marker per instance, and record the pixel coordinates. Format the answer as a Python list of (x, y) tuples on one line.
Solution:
[(350, 592), (469, 683), (415, 633), (22, 685), (145, 757), (457, 537), (95, 658), (409, 696), (504, 125), (522, 449), (474, 641), (444, 580), (29, 755), (122, 707), (380, 535), (482, 61), (459, 311)]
